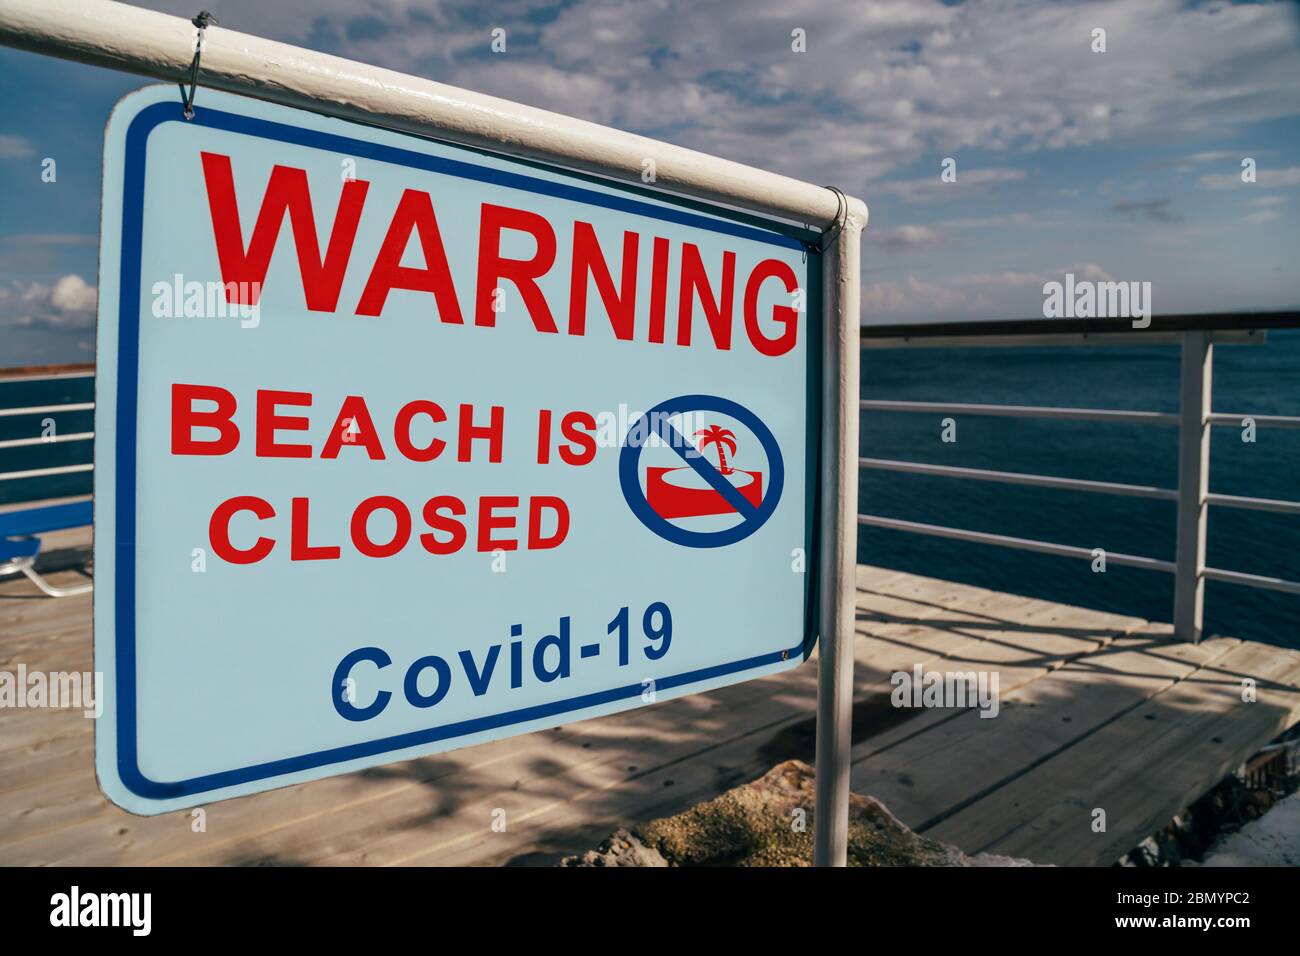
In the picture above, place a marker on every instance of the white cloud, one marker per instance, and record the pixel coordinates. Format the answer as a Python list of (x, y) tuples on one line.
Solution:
[(67, 304), (995, 222), (932, 188), (15, 147), (884, 90), (903, 237), (1265, 178), (51, 239), (917, 300), (72, 294), (980, 295), (1261, 217), (1213, 156), (882, 84)]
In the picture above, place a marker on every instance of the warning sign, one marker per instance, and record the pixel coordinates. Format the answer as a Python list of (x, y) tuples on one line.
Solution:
[(402, 447)]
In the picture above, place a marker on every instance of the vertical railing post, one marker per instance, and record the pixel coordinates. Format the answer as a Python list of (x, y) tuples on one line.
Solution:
[(839, 545), (1193, 483)]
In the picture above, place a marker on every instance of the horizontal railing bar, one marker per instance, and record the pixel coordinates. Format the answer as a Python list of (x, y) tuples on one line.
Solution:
[(1023, 544), (46, 440), (1054, 340), (1020, 478), (40, 409), (42, 472), (6, 377), (57, 370), (1024, 411), (1252, 580), (1161, 323), (1254, 504), (1263, 421)]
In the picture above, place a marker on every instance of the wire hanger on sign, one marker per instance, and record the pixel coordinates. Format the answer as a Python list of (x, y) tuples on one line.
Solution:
[(202, 21), (831, 232)]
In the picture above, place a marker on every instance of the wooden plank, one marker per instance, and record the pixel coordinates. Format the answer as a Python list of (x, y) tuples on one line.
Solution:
[(41, 733), (933, 774), (1020, 654), (896, 599), (1023, 642), (1027, 633), (40, 768), (878, 657), (1141, 768), (61, 801), (29, 617)]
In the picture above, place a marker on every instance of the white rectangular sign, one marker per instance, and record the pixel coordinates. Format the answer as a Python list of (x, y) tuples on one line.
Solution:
[(401, 446)]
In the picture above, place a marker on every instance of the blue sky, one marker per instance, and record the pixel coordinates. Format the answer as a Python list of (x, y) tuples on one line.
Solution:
[(1124, 164)]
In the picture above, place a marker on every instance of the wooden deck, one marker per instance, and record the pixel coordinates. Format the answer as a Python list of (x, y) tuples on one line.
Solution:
[(1097, 711)]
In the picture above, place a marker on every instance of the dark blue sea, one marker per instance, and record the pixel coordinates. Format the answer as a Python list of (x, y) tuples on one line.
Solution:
[(1249, 379)]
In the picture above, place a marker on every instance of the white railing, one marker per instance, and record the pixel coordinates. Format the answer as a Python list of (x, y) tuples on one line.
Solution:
[(1196, 335), (55, 438)]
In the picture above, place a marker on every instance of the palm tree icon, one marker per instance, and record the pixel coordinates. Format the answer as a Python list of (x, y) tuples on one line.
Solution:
[(724, 439)]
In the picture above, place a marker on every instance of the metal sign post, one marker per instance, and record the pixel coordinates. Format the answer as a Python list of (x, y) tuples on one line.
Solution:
[(155, 45), (839, 488)]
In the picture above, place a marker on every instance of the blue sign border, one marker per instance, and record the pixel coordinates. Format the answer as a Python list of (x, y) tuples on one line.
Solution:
[(124, 612)]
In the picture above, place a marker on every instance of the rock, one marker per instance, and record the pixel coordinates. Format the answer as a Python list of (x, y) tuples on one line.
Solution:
[(769, 823), (1272, 840), (621, 849)]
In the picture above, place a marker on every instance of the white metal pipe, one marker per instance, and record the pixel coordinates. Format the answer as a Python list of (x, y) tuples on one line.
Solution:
[(1054, 339), (1019, 478), (1254, 504), (6, 379), (839, 547), (1024, 411), (1193, 484), (1253, 580), (44, 472), (43, 409), (1068, 551), (46, 440), (32, 575), (1261, 421), (128, 38), (1022, 544)]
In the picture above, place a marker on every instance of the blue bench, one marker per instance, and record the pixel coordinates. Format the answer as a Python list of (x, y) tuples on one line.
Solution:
[(19, 544)]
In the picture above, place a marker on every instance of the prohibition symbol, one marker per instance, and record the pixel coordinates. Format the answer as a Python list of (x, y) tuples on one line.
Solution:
[(727, 490)]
